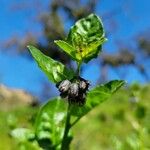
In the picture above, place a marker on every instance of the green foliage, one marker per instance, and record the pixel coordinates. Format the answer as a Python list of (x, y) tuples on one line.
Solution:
[(50, 124), (85, 39), (54, 121), (54, 70), (18, 116), (69, 49), (100, 129), (22, 134), (25, 138), (96, 96)]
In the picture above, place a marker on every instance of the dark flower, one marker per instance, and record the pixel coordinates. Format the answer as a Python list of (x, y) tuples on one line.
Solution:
[(74, 90)]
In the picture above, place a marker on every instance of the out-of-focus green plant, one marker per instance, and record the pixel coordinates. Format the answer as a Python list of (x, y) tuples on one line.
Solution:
[(52, 130)]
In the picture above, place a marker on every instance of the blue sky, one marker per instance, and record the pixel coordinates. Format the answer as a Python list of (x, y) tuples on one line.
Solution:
[(20, 72)]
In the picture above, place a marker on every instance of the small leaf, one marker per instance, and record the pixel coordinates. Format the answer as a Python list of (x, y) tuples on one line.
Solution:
[(87, 37), (50, 123), (71, 51), (94, 48), (96, 96), (54, 70)]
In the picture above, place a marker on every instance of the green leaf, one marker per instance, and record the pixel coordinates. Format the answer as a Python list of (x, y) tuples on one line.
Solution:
[(71, 51), (96, 96), (93, 49), (54, 70), (25, 139), (50, 124), (22, 134), (87, 37)]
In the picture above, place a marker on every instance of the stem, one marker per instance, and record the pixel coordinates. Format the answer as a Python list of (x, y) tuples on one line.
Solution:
[(65, 142), (78, 68)]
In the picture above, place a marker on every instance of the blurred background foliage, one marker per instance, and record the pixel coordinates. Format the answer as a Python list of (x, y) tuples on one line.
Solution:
[(121, 123)]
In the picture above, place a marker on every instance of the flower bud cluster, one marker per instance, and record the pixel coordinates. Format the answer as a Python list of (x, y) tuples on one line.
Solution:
[(74, 90)]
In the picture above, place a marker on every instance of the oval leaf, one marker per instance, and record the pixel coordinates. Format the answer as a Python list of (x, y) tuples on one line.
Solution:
[(87, 37), (71, 51), (54, 70), (96, 96), (50, 123)]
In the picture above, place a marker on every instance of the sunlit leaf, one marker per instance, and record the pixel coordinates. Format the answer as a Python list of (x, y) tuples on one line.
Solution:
[(96, 96), (54, 70), (22, 134), (87, 37), (50, 124), (71, 51), (25, 139)]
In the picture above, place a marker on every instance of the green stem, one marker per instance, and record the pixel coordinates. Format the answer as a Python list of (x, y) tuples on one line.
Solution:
[(78, 68), (65, 142)]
